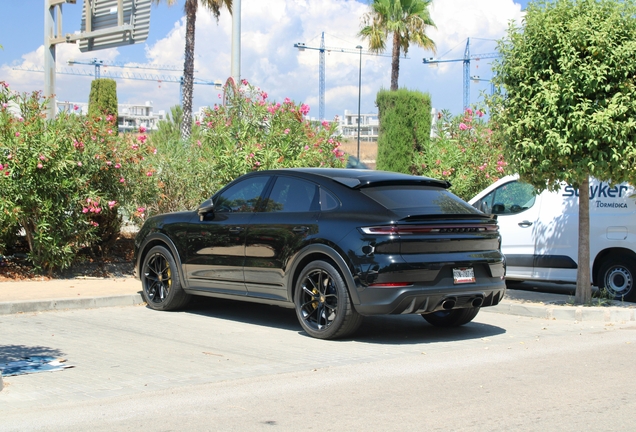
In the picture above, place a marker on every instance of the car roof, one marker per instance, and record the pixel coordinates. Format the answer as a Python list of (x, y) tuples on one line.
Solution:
[(360, 178)]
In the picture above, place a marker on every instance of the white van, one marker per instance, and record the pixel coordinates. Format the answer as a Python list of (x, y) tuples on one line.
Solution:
[(539, 233)]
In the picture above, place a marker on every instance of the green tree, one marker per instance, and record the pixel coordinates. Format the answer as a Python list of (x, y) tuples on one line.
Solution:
[(407, 20), (565, 104), (405, 128), (190, 8), (102, 100)]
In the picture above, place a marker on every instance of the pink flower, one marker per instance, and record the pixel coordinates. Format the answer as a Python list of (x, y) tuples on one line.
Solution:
[(17, 134), (117, 166), (325, 124), (1, 167), (286, 131), (479, 113), (257, 163), (306, 147), (109, 163), (4, 105), (141, 209), (287, 101), (469, 111), (9, 156), (85, 210), (122, 180), (149, 174), (220, 96), (95, 224), (264, 95), (463, 126), (198, 123), (142, 129), (112, 204), (42, 157), (142, 138), (154, 151), (79, 164), (40, 165), (75, 107), (304, 109), (244, 81)]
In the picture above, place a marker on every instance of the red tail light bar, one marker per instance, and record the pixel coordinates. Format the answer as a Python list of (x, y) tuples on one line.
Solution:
[(428, 229)]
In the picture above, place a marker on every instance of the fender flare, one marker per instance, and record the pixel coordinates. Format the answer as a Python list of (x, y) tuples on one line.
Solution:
[(160, 237), (332, 254)]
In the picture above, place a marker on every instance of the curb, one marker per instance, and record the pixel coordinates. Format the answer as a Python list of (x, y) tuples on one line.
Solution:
[(569, 313), (7, 308)]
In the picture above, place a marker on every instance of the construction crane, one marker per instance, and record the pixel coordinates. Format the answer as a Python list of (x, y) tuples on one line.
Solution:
[(99, 63), (129, 75), (321, 74), (466, 60)]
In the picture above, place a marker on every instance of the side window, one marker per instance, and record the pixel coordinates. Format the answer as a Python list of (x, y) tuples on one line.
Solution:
[(243, 197), (293, 195), (508, 199), (327, 200)]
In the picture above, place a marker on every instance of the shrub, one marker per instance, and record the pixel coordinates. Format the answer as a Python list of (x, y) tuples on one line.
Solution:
[(102, 100), (245, 134), (405, 128), (63, 181), (463, 152)]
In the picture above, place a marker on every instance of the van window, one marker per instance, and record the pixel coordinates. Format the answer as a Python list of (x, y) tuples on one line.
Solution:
[(510, 198)]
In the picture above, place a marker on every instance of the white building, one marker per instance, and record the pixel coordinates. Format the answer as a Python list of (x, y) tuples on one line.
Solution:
[(129, 116), (369, 125)]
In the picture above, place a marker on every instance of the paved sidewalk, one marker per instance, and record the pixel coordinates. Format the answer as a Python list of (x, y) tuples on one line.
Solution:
[(85, 293)]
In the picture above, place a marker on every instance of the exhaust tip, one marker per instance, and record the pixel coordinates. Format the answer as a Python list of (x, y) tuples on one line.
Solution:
[(448, 304), (477, 302)]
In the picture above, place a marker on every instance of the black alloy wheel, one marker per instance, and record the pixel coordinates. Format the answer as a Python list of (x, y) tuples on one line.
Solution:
[(160, 281), (451, 318), (323, 306), (616, 276)]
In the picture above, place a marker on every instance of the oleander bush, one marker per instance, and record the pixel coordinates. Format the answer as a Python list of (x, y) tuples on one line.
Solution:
[(246, 133), (66, 182), (464, 152)]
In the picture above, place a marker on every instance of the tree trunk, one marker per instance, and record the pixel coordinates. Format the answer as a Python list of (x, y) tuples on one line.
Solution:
[(188, 68), (395, 61), (583, 285)]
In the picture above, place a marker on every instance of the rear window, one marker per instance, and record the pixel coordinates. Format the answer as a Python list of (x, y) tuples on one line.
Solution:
[(422, 200)]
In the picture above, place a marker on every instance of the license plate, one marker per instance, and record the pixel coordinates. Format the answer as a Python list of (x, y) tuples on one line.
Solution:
[(463, 275)]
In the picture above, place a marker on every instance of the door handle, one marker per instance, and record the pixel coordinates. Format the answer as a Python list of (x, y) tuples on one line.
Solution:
[(300, 229), (525, 224), (236, 230)]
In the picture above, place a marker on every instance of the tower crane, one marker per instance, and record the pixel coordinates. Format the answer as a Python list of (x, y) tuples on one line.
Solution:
[(127, 75), (99, 63), (466, 60), (321, 74)]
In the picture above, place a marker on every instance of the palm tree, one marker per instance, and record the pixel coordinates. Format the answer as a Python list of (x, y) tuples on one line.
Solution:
[(408, 20), (190, 8)]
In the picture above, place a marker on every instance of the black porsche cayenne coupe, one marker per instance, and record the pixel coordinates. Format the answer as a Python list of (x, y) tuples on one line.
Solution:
[(335, 244)]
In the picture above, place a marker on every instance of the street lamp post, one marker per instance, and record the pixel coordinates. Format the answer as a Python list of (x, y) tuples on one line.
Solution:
[(359, 48)]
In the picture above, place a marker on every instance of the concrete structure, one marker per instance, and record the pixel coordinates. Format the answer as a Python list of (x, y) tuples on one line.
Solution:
[(369, 125), (130, 116)]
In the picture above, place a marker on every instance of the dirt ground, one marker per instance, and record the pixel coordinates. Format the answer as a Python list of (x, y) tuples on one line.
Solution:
[(116, 261), (368, 150)]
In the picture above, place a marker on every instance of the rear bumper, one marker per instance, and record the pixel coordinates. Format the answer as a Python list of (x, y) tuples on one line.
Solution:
[(419, 300)]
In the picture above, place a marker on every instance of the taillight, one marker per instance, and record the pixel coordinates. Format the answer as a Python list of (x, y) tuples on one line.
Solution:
[(391, 285), (428, 229)]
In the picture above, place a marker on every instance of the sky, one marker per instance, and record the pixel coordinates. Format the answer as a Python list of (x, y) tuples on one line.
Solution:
[(269, 30)]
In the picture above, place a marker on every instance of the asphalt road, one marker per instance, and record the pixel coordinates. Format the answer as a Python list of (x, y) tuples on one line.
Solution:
[(233, 366)]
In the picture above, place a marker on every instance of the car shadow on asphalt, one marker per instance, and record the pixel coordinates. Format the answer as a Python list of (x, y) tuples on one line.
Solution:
[(383, 329), (10, 353)]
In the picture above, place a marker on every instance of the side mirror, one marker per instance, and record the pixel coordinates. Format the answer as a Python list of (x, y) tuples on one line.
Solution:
[(206, 208)]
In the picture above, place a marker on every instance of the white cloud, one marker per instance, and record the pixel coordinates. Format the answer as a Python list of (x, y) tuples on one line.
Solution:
[(269, 60)]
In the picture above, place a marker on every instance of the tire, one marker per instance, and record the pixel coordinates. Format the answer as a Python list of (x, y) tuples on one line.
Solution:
[(322, 302), (616, 275), (451, 318), (160, 281)]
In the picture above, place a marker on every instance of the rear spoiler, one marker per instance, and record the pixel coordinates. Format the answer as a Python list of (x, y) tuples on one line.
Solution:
[(355, 183)]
